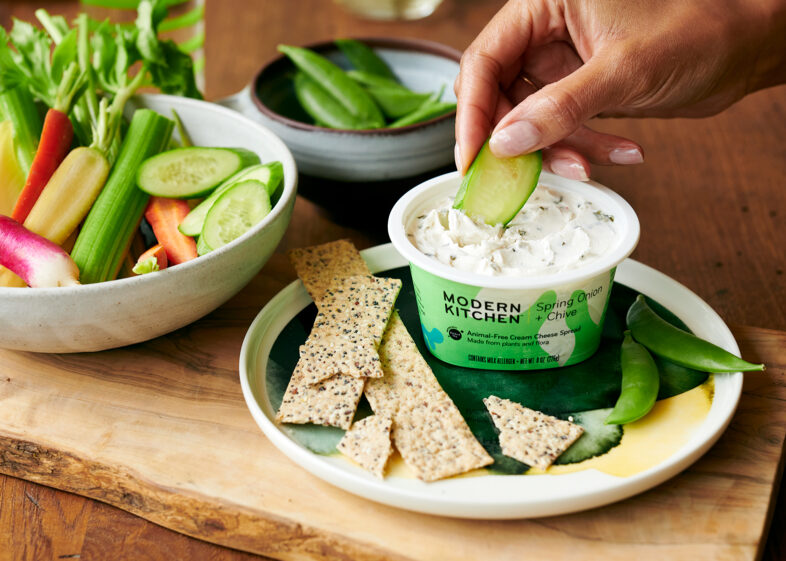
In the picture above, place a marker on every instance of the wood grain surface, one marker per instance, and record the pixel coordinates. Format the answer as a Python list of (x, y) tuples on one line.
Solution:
[(711, 201), (161, 430)]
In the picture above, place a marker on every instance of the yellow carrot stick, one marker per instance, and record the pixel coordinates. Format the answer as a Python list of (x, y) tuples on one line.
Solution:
[(12, 178), (69, 194)]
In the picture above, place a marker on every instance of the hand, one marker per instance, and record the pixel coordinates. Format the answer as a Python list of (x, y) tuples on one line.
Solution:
[(541, 68)]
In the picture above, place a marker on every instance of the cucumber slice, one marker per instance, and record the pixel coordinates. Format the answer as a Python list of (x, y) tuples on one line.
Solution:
[(270, 174), (185, 173), (202, 246), (495, 189), (235, 212), (598, 437)]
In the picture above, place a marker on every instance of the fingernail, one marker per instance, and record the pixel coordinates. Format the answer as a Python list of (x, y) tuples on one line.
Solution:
[(569, 168), (457, 156), (517, 138), (626, 156)]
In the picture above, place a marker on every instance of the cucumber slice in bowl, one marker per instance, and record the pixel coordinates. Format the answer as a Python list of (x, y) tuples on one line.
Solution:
[(270, 174), (185, 173), (494, 189), (235, 212), (202, 247)]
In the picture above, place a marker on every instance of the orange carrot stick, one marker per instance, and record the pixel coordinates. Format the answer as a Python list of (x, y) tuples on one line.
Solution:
[(164, 216), (145, 264), (55, 142)]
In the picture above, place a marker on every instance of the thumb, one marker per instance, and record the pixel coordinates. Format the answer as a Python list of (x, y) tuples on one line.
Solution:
[(557, 110)]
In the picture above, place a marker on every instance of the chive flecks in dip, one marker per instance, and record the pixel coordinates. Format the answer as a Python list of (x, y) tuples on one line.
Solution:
[(554, 231)]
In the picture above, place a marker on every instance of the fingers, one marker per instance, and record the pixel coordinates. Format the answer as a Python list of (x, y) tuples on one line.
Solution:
[(604, 149), (565, 161), (492, 56), (550, 63), (572, 156), (555, 111)]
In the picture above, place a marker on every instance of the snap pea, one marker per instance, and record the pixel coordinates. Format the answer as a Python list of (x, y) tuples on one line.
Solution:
[(679, 346), (335, 81), (640, 383), (322, 106), (374, 81), (363, 57), (394, 99), (397, 102), (428, 110)]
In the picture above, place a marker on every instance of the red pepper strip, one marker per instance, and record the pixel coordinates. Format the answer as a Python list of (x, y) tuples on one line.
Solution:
[(52, 149), (164, 216)]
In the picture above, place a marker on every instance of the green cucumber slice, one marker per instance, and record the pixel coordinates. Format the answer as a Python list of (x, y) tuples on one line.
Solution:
[(235, 212), (270, 174), (494, 189), (202, 246), (598, 437), (185, 173)]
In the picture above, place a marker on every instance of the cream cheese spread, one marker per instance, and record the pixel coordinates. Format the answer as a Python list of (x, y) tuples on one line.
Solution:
[(554, 231)]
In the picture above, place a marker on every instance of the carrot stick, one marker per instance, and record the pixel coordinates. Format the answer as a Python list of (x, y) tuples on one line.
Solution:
[(55, 142), (164, 216), (154, 259)]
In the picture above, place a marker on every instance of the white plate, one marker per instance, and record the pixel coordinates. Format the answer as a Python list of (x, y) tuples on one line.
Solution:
[(492, 496)]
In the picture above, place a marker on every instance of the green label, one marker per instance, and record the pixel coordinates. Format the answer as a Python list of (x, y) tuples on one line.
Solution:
[(509, 329)]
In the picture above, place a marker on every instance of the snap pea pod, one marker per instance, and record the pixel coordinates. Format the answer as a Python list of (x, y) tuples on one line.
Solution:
[(363, 57), (374, 81), (428, 110), (397, 102), (640, 383), (335, 81), (679, 346), (394, 99), (322, 106)]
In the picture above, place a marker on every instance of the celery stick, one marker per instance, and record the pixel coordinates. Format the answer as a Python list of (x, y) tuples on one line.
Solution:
[(17, 105), (111, 223)]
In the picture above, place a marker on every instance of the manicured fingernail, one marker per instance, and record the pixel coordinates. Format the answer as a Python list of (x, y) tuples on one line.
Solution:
[(569, 168), (517, 138), (457, 156), (626, 156)]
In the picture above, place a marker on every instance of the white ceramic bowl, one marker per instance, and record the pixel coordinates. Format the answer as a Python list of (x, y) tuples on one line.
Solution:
[(117, 313), (367, 155)]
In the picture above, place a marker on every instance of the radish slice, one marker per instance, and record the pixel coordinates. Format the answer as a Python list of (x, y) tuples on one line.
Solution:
[(39, 262)]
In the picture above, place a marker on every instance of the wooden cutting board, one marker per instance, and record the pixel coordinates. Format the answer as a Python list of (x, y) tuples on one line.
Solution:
[(161, 430)]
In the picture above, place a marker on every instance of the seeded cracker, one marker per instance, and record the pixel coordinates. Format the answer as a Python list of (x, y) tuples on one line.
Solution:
[(332, 401), (530, 436), (318, 265), (368, 444), (428, 430), (408, 392), (353, 314)]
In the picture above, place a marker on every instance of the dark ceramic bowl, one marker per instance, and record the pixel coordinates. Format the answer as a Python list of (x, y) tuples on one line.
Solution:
[(362, 155)]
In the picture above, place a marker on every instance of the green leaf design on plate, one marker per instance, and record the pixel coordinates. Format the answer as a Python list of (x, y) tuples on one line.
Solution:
[(584, 391)]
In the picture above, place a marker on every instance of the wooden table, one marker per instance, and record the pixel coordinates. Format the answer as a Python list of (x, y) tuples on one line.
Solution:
[(710, 197)]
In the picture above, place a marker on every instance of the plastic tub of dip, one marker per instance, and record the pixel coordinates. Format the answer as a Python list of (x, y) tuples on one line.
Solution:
[(530, 296)]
